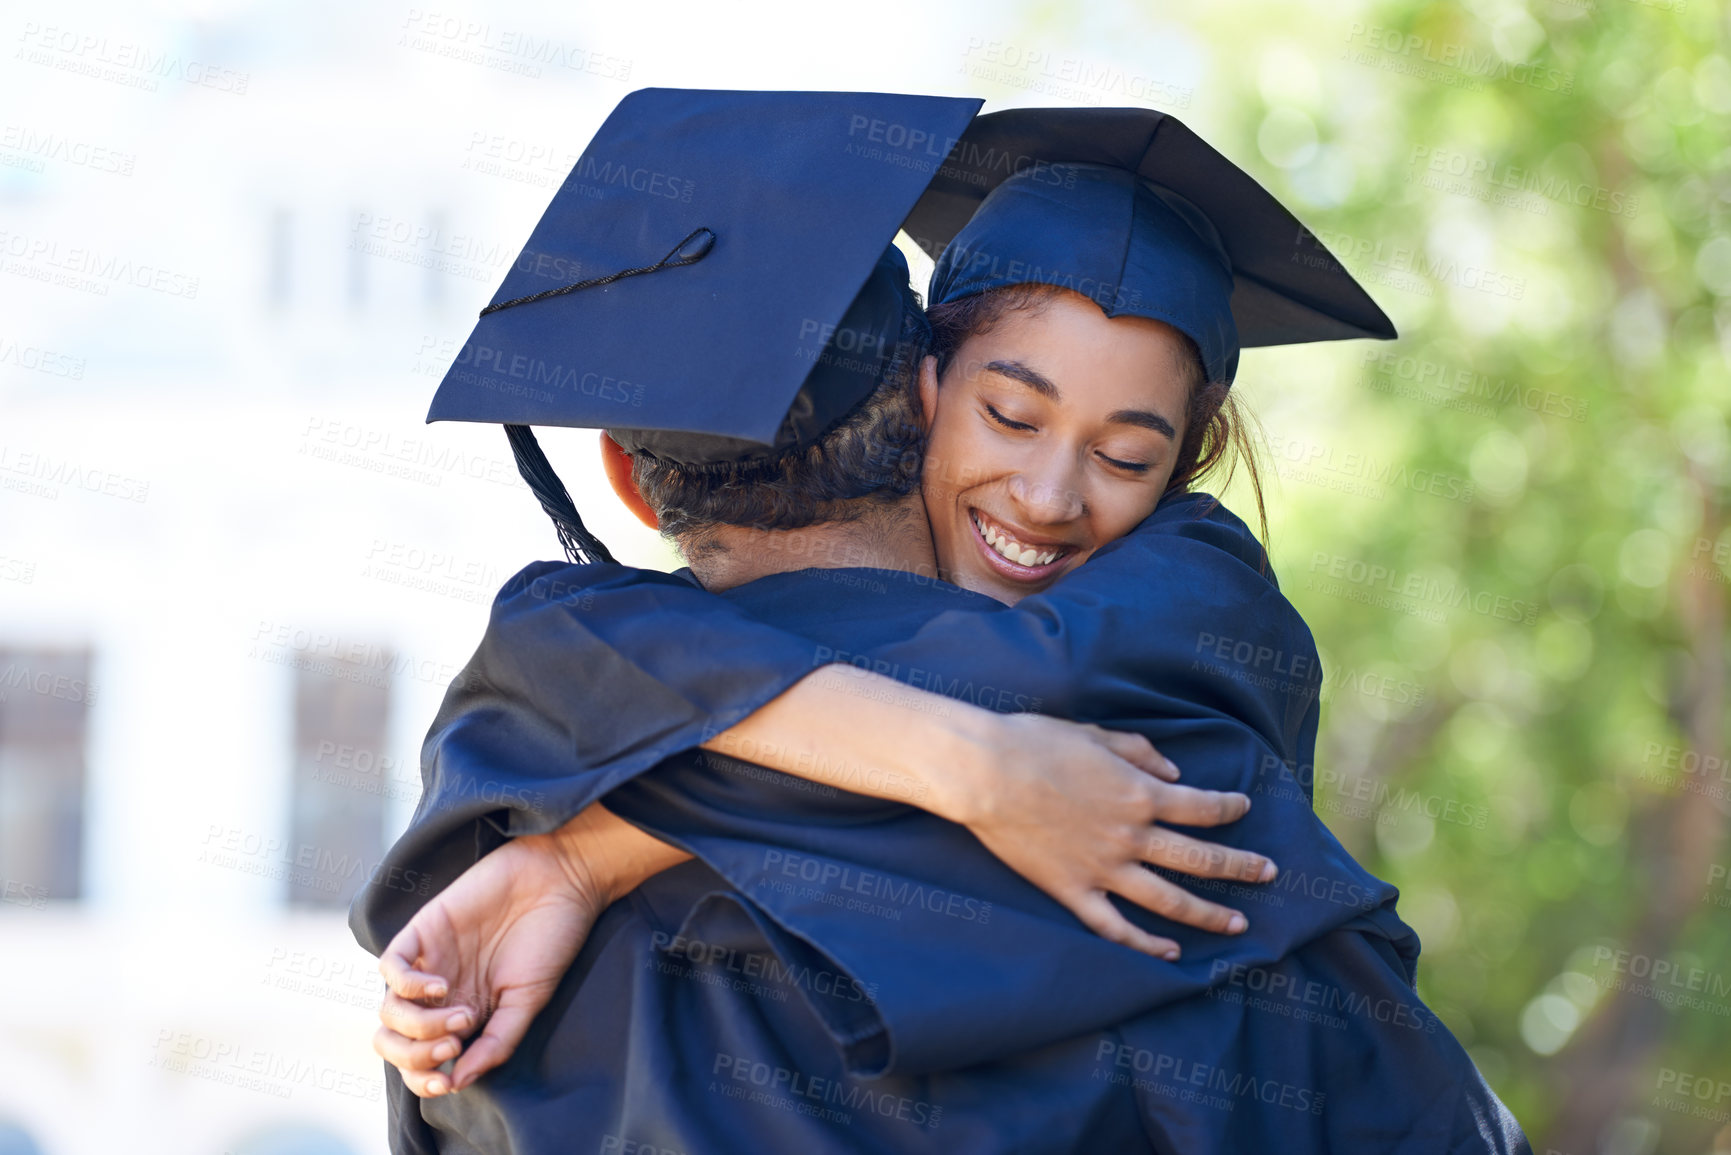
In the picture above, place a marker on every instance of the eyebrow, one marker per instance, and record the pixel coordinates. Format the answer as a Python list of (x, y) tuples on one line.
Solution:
[(1032, 378), (1145, 419), (1044, 386)]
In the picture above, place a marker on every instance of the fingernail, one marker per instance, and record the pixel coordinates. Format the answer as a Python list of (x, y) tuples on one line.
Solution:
[(458, 1021), (1172, 766), (1171, 955), (435, 1086), (1236, 924), (436, 990), (445, 1050), (1269, 870)]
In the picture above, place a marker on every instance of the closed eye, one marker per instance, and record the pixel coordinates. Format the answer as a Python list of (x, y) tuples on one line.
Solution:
[(1019, 426), (1132, 466)]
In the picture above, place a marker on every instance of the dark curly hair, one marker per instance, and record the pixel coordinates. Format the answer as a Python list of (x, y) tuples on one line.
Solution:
[(870, 458), (1215, 424)]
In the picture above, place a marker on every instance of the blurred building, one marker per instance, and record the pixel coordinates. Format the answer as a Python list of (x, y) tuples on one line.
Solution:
[(237, 571), (238, 248)]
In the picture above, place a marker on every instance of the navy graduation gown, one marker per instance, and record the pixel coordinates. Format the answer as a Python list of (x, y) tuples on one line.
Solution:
[(978, 990)]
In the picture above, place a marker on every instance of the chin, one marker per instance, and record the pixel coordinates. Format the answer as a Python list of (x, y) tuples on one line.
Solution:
[(993, 585)]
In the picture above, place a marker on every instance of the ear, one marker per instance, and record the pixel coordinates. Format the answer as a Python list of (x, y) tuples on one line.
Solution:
[(928, 392), (617, 463)]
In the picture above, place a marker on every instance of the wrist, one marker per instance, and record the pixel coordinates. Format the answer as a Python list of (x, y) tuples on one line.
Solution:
[(576, 849), (971, 744), (606, 856)]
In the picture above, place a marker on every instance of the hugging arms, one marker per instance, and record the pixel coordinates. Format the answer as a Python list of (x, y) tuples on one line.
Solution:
[(1119, 641), (967, 967)]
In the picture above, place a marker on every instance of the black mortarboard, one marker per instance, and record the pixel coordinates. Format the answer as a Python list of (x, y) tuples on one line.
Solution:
[(1130, 208), (710, 281)]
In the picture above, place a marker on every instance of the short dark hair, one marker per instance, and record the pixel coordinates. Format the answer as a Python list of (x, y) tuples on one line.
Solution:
[(870, 458), (1214, 421)]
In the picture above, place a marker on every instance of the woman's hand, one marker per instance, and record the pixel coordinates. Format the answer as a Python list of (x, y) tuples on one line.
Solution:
[(1072, 808), (1076, 810), (490, 948)]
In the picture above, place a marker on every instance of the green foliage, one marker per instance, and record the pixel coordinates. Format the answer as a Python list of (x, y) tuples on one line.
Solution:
[(1502, 527)]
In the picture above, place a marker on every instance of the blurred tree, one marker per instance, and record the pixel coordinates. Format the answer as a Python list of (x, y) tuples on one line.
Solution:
[(1508, 529)]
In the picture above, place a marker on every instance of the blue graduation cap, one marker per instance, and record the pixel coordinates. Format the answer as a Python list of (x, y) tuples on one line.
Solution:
[(710, 282), (1130, 208)]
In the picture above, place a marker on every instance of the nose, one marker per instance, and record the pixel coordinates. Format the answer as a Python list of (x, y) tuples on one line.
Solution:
[(1049, 491)]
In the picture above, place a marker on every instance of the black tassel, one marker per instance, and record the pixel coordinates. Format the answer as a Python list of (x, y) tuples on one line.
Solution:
[(581, 546)]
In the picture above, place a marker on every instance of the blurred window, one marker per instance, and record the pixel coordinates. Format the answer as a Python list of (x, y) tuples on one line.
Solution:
[(45, 700), (342, 710)]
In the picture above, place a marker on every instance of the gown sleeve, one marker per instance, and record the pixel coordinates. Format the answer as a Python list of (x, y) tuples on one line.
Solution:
[(582, 680)]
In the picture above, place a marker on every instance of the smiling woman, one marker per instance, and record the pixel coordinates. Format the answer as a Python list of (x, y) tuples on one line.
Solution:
[(1139, 404), (1054, 429)]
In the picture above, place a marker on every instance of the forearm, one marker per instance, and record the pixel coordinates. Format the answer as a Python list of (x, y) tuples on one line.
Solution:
[(1146, 607), (633, 635), (867, 734)]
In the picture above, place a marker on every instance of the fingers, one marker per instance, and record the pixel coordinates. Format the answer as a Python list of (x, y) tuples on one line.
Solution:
[(425, 1085), (1139, 752), (1100, 916), (495, 1044), (417, 1040), (414, 1056), (424, 1023), (397, 965), (1188, 806), (414, 1038), (1151, 892), (419, 1060), (1205, 859)]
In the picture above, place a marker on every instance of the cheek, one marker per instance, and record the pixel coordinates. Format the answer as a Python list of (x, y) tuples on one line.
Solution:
[(1121, 509), (953, 457), (1111, 515), (1165, 472)]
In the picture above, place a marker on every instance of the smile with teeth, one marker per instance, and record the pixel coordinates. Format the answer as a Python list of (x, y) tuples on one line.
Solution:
[(1009, 548)]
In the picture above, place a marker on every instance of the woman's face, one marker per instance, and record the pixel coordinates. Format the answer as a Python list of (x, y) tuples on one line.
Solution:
[(1051, 434)]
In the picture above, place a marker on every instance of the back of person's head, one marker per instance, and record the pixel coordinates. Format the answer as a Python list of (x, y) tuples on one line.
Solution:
[(870, 459)]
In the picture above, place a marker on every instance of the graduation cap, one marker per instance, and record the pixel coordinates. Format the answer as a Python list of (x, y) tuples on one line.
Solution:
[(709, 283), (1130, 208)]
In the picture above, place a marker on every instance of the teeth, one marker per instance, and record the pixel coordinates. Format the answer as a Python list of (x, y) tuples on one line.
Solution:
[(1011, 549)]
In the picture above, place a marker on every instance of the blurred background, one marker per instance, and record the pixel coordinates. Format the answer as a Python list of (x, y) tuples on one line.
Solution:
[(239, 245)]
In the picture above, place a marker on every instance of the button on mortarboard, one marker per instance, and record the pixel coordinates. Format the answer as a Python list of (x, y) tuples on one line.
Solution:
[(791, 197)]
